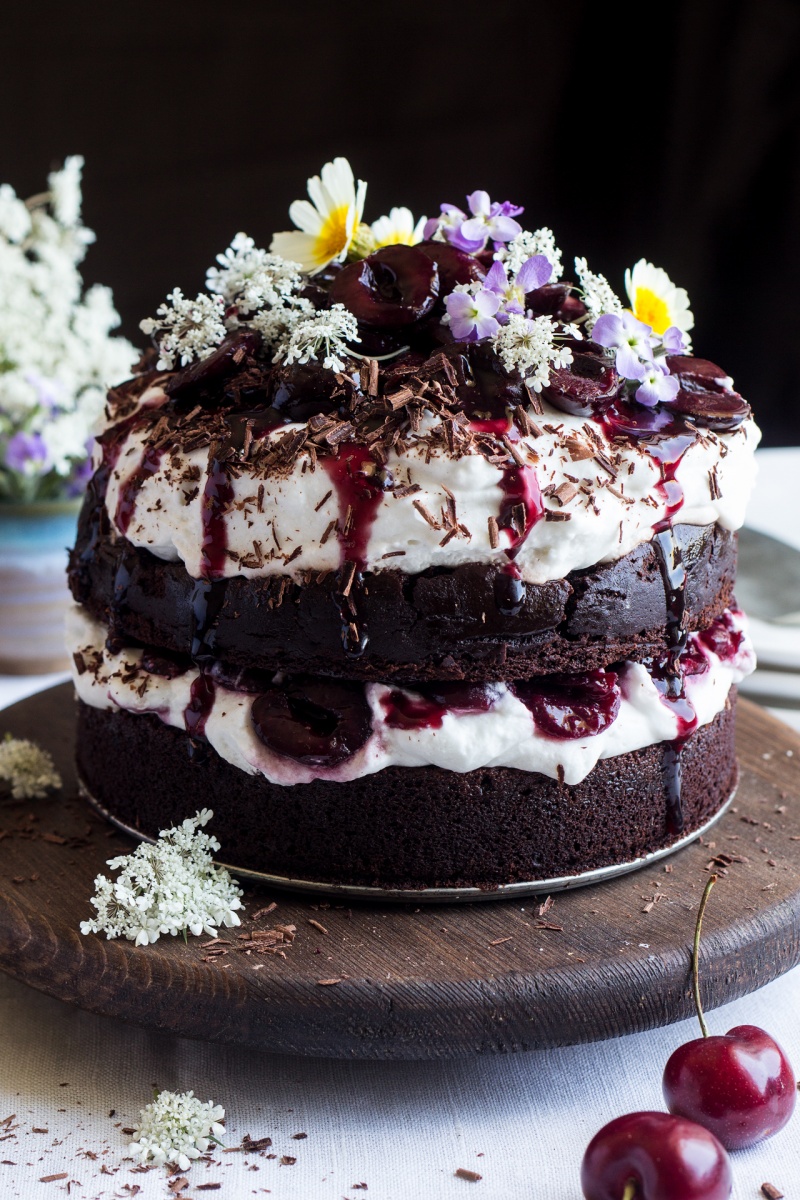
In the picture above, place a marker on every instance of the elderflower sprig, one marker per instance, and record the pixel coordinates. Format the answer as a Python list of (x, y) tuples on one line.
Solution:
[(186, 329), (28, 768), (176, 1128), (598, 294), (530, 346), (325, 333), (169, 887), (251, 278), (527, 245)]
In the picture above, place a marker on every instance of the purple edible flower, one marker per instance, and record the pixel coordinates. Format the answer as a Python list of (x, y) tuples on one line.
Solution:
[(674, 340), (533, 273), (472, 317), (49, 392), (495, 221), (657, 386), (488, 220), (25, 451), (630, 339)]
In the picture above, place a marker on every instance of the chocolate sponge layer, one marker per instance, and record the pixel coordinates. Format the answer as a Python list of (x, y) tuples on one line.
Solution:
[(406, 827), (441, 624)]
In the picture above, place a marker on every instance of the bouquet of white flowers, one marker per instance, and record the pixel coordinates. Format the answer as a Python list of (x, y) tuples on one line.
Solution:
[(57, 355)]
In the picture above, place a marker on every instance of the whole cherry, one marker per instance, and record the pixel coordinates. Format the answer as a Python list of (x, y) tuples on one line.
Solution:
[(739, 1085), (655, 1156)]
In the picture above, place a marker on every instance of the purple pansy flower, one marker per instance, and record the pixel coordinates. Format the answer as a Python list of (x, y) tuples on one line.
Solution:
[(472, 317), (49, 392), (657, 385), (533, 273), (25, 451)]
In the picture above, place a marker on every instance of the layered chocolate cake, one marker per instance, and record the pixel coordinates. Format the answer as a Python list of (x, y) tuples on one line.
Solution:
[(414, 560)]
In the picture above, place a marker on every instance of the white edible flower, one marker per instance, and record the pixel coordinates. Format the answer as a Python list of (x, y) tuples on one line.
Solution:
[(186, 329), (15, 220), (398, 229), (529, 346), (324, 333), (655, 300), (65, 191), (252, 278), (325, 226), (176, 1128), (28, 768), (169, 887), (598, 294), (526, 244)]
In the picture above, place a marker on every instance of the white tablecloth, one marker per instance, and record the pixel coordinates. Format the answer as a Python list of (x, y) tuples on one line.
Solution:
[(520, 1121)]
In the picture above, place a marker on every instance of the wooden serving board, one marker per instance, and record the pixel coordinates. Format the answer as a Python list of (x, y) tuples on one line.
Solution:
[(399, 981)]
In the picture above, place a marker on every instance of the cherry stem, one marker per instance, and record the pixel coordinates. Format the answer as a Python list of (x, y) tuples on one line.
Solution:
[(696, 955), (630, 1190)]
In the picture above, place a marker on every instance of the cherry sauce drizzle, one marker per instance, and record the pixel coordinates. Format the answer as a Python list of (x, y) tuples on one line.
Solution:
[(520, 510), (666, 439), (359, 490)]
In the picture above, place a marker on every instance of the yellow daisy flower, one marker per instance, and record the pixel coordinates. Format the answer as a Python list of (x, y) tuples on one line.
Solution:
[(326, 225), (398, 229), (656, 300)]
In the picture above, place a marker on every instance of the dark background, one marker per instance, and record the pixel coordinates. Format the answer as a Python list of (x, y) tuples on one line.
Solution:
[(677, 140)]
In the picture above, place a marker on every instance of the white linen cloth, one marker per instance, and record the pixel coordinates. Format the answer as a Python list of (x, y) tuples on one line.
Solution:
[(521, 1121)]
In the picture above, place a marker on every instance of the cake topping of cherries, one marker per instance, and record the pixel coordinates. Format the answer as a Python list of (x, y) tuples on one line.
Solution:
[(288, 332), (319, 722), (572, 706)]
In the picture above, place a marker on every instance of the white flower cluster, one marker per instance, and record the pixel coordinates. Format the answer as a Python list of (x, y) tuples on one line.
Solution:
[(176, 1128), (598, 294), (252, 289), (27, 767), (250, 278), (530, 347), (169, 887), (57, 357), (526, 244), (320, 333), (186, 329)]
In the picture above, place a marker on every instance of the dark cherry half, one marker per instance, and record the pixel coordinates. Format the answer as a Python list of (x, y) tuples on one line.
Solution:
[(704, 395), (571, 706), (319, 722), (588, 383), (461, 697), (455, 266), (163, 663), (196, 381), (555, 300), (739, 1085), (655, 1156), (392, 288)]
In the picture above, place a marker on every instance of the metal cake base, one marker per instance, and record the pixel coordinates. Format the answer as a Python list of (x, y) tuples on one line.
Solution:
[(443, 895)]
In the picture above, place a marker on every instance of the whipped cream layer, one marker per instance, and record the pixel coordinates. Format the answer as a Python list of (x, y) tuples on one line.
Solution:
[(505, 735), (439, 510)]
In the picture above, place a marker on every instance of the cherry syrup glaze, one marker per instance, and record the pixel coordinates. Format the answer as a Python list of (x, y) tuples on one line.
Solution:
[(201, 701), (655, 1156), (427, 710), (360, 486), (110, 442), (520, 510), (129, 490), (571, 706), (666, 438)]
